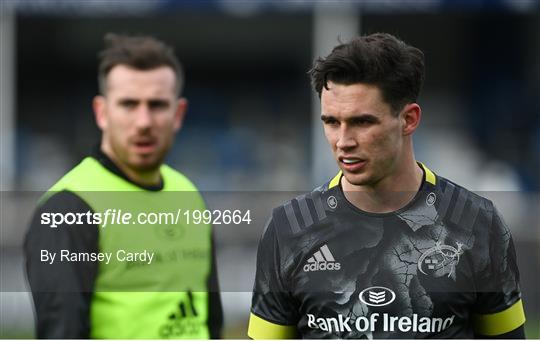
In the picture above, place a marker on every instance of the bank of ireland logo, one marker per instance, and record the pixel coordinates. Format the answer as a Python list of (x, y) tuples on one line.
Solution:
[(440, 260), (377, 296)]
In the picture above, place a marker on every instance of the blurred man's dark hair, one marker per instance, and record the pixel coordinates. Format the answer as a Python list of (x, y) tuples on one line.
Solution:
[(379, 59), (138, 52)]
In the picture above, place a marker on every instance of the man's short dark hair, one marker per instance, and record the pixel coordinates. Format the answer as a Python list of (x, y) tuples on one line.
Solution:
[(379, 59), (138, 52)]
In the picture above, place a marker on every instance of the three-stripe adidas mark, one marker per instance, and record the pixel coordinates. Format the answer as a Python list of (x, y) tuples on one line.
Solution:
[(322, 260), (184, 322), (185, 309)]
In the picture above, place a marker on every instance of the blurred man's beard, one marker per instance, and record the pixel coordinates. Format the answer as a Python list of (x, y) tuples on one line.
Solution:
[(139, 163), (148, 166)]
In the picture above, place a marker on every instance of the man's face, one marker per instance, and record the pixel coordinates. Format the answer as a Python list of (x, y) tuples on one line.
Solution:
[(139, 116), (366, 138)]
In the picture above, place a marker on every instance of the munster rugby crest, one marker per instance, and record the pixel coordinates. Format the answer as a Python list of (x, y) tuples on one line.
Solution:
[(440, 260)]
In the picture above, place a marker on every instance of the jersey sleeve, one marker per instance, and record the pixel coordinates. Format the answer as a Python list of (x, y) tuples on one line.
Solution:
[(61, 291), (499, 309), (273, 311)]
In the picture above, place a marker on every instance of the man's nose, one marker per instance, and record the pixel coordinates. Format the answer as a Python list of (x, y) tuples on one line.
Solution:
[(143, 117), (345, 139)]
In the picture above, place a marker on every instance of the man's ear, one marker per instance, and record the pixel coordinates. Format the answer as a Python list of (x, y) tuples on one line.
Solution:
[(180, 113), (411, 115), (100, 111)]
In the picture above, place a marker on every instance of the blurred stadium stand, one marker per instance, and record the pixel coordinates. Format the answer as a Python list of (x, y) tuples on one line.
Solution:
[(249, 125)]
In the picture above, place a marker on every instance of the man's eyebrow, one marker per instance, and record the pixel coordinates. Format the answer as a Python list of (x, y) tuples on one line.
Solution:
[(151, 100), (127, 99), (362, 116), (158, 100)]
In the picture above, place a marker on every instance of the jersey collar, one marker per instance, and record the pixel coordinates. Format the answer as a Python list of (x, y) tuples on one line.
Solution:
[(109, 164), (429, 176), (427, 186)]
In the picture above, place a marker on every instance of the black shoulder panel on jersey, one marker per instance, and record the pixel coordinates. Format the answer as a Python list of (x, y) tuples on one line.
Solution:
[(301, 212), (461, 206)]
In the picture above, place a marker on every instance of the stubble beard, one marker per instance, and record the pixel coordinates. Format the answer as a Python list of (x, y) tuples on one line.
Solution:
[(138, 163)]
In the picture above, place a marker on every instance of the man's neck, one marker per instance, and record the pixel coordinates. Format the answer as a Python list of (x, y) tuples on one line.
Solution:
[(388, 195), (149, 179)]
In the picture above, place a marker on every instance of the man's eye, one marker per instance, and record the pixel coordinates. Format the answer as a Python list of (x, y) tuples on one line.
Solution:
[(158, 105), (330, 121), (363, 121), (128, 104)]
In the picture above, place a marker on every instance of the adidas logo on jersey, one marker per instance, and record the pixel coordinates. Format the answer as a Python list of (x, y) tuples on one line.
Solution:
[(322, 260)]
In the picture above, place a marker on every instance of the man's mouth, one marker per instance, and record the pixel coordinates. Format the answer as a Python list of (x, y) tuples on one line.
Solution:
[(350, 161), (352, 164), (144, 146)]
